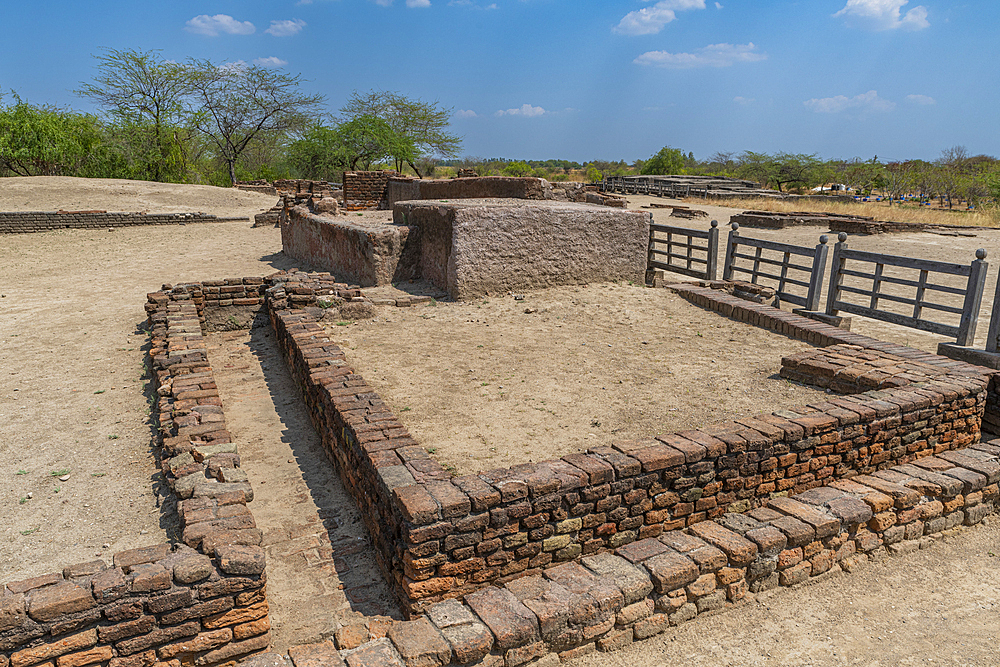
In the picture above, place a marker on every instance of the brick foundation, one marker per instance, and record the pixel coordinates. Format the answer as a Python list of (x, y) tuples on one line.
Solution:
[(365, 189), (21, 222), (552, 560)]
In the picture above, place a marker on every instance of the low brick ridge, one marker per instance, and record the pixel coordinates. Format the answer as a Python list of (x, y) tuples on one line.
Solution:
[(607, 601), (439, 537), (22, 222), (201, 600)]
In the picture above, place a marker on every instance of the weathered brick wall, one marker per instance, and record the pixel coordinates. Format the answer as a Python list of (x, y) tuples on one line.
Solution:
[(606, 601), (440, 537), (365, 189), (199, 602), (151, 605), (590, 552), (365, 255), (21, 222)]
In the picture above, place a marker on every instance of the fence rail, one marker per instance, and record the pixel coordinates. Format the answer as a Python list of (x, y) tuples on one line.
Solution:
[(684, 253), (812, 281), (652, 186), (975, 273)]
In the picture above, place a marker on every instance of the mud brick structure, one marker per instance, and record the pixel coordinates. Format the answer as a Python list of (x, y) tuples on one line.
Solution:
[(366, 189), (365, 254), (772, 220), (292, 192), (481, 187), (472, 247), (22, 222), (261, 186), (495, 187), (533, 564)]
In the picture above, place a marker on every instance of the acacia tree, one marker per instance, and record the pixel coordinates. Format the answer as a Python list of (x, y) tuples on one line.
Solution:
[(667, 161), (424, 124), (45, 140), (236, 104), (144, 94)]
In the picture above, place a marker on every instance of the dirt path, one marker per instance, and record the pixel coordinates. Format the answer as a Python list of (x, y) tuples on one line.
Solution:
[(937, 606), (321, 569)]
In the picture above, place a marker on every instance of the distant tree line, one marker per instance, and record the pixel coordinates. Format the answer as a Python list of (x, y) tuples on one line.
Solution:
[(205, 122)]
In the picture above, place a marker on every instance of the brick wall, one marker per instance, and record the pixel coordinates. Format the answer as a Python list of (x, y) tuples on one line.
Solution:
[(440, 537), (20, 222), (365, 189), (198, 602), (589, 552)]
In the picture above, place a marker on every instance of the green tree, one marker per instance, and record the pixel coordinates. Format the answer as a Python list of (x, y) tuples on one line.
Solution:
[(45, 140), (667, 161), (319, 154), (798, 169), (237, 104), (144, 94), (424, 124), (517, 169), (367, 139)]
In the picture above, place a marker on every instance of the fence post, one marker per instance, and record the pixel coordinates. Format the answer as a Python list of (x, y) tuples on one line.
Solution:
[(973, 299), (818, 273), (836, 277), (712, 268), (731, 243), (992, 343)]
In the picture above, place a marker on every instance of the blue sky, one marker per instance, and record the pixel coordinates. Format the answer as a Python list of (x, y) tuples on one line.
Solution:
[(580, 79)]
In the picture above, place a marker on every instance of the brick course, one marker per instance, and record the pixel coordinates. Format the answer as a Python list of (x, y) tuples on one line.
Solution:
[(22, 222)]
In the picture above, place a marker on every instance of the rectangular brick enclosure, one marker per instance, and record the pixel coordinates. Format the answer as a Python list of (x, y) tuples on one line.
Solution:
[(588, 552)]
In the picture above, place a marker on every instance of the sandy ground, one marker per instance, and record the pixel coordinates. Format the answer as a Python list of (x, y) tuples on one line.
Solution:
[(67, 193), (502, 381)]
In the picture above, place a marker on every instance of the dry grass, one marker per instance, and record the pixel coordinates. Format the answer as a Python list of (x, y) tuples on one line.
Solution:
[(879, 211)]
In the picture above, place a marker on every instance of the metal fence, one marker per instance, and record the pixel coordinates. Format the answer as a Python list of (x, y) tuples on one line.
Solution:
[(865, 267), (780, 266), (691, 252)]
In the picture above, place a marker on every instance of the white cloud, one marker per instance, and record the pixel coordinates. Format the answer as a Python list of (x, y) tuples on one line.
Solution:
[(524, 110), (718, 5), (713, 55), (383, 3), (270, 61), (235, 66), (418, 3), (286, 28), (922, 100), (466, 113), (883, 15), (866, 102), (211, 26), (743, 100), (650, 20)]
